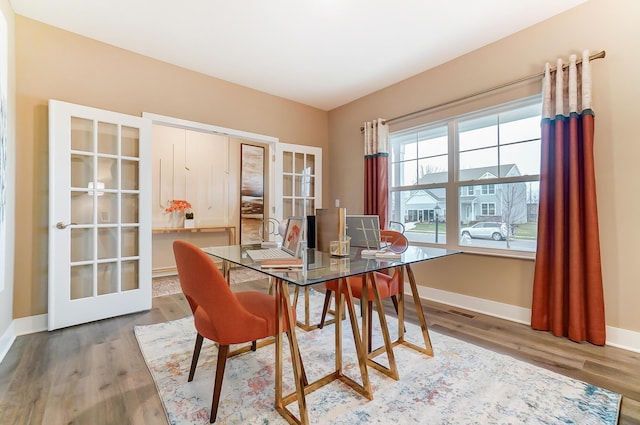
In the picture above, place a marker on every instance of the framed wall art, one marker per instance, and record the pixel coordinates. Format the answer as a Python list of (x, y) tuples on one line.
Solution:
[(251, 193)]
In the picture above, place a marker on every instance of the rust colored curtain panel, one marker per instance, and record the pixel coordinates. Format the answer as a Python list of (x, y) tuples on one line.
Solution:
[(376, 169), (568, 295)]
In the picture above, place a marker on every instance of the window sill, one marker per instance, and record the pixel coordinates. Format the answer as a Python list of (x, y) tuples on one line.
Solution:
[(520, 255)]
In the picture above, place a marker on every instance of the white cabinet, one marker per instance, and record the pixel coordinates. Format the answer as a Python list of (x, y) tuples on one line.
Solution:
[(193, 166), (207, 177)]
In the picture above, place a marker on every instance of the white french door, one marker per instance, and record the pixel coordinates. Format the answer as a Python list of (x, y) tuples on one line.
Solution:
[(298, 180), (99, 214)]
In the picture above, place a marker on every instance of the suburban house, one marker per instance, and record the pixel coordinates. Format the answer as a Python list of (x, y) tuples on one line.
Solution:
[(478, 202), (45, 62)]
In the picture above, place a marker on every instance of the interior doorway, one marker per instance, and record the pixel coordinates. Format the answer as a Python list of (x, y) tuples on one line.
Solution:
[(200, 164)]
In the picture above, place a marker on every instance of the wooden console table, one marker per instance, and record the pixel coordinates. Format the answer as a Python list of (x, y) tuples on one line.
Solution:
[(231, 231)]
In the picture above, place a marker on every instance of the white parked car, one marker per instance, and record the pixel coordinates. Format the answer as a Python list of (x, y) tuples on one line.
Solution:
[(486, 230)]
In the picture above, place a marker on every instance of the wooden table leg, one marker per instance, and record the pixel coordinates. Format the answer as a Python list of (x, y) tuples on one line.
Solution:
[(361, 348), (283, 311), (392, 370), (302, 387), (423, 323), (427, 349)]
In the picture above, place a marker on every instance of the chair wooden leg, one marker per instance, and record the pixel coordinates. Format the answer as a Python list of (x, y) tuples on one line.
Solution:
[(325, 308), (223, 351), (394, 299), (194, 359), (254, 345), (370, 327)]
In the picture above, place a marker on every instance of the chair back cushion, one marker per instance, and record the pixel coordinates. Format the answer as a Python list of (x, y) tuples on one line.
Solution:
[(396, 241), (218, 315)]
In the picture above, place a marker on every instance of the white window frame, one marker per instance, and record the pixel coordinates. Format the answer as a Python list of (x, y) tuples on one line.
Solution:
[(453, 186)]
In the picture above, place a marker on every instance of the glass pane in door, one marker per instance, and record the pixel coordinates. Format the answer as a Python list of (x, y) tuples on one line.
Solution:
[(81, 170), (299, 162), (81, 285), (130, 139), (81, 134), (107, 243), (287, 185), (129, 242), (129, 172), (108, 208), (107, 278), (130, 207), (107, 138), (287, 162), (287, 208), (130, 275), (310, 163), (107, 177), (81, 208), (81, 245)]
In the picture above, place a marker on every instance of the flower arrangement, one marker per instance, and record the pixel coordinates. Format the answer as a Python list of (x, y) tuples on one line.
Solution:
[(178, 205)]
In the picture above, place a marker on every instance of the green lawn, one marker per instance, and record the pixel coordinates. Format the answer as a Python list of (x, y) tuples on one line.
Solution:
[(430, 227), (526, 231)]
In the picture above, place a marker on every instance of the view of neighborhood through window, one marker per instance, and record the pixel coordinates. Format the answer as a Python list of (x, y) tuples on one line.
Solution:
[(474, 178)]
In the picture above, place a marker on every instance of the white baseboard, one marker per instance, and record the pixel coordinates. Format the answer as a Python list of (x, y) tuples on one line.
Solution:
[(6, 340), (616, 337), (31, 324), (479, 305), (623, 338), (22, 326)]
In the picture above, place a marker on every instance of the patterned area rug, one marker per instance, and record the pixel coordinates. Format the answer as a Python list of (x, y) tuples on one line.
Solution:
[(461, 384), (168, 285)]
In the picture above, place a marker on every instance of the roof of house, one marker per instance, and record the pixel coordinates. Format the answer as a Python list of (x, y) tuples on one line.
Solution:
[(470, 174)]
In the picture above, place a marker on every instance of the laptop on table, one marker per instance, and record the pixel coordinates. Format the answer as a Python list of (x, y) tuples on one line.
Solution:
[(289, 247)]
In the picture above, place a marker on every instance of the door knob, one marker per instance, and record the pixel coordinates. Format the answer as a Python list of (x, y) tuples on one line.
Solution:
[(61, 225)]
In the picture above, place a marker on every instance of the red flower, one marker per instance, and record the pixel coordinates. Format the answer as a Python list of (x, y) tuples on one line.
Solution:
[(177, 205)]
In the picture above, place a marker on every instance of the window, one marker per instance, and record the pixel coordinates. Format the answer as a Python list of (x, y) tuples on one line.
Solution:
[(488, 208), (484, 167), (488, 189)]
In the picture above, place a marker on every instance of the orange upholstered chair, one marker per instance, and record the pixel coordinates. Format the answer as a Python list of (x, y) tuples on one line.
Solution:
[(393, 240), (219, 314), (388, 285)]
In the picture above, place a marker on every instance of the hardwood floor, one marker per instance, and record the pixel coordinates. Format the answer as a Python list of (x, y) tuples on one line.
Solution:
[(95, 374)]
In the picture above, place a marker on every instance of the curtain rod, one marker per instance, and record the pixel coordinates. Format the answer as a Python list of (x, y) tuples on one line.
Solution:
[(601, 54)]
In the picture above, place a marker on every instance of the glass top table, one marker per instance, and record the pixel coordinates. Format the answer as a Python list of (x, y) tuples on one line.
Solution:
[(321, 267)]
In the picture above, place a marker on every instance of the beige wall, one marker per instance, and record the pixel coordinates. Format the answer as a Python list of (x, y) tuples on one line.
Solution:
[(55, 64), (609, 25), (7, 273)]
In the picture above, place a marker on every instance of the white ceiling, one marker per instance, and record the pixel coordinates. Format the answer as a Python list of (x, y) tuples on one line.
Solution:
[(323, 53)]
